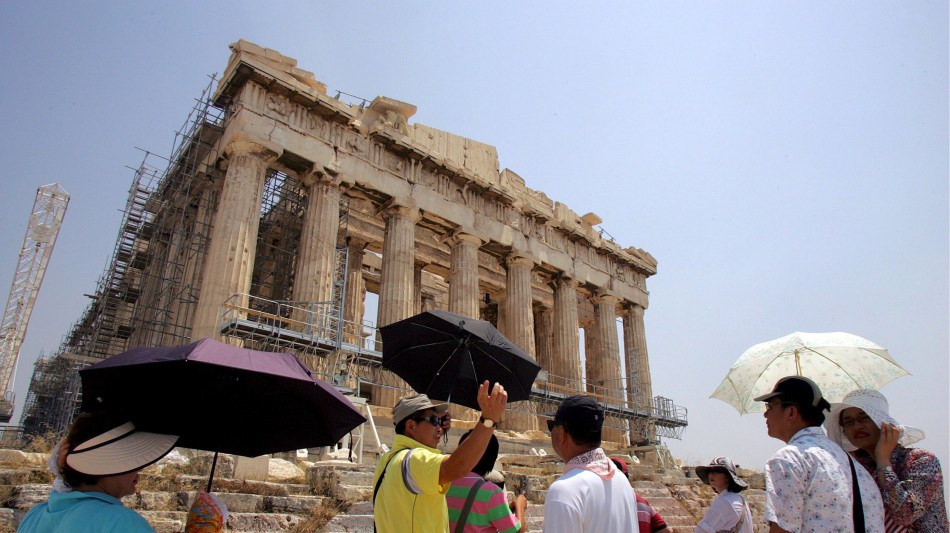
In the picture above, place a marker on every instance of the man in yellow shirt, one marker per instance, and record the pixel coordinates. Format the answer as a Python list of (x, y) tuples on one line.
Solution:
[(411, 480)]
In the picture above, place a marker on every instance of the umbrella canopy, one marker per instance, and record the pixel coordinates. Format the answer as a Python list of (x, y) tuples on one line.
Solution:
[(221, 398), (446, 356), (838, 362)]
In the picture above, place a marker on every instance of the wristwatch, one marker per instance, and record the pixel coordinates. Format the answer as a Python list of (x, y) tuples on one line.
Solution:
[(486, 422)]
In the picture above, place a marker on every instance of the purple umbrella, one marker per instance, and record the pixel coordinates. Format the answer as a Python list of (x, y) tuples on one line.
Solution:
[(221, 398)]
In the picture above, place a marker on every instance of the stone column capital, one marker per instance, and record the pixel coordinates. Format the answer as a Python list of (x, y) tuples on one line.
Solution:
[(565, 281), (518, 259), (320, 178), (604, 296), (354, 243), (628, 308), (457, 237), (402, 208), (243, 146)]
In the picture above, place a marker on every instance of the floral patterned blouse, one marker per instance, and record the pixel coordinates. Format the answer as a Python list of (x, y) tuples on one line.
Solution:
[(913, 492)]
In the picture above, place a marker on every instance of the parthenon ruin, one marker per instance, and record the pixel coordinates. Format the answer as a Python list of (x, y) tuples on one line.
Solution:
[(283, 207)]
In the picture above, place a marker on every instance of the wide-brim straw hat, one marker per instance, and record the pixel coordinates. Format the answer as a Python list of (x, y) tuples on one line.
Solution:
[(874, 404), (722, 464), (119, 451)]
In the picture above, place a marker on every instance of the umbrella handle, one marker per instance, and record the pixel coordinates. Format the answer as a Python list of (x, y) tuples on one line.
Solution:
[(214, 462)]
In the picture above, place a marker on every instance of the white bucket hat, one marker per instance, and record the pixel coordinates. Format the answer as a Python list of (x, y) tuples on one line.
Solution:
[(119, 451), (874, 404)]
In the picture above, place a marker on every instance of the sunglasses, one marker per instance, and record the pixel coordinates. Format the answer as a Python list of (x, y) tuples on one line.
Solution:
[(552, 424), (435, 420)]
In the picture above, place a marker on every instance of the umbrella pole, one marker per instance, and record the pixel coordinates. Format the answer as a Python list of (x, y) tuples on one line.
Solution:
[(211, 476)]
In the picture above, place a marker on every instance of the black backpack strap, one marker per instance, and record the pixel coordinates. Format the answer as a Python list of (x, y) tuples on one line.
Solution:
[(856, 504), (463, 516)]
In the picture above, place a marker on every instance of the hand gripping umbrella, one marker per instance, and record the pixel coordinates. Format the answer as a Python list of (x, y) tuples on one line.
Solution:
[(838, 362), (221, 398), (446, 356)]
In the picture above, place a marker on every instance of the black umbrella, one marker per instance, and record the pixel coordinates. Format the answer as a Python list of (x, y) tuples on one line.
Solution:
[(446, 356), (221, 398)]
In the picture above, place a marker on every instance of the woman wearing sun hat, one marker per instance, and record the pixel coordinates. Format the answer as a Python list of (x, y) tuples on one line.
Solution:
[(95, 466), (729, 511), (910, 479)]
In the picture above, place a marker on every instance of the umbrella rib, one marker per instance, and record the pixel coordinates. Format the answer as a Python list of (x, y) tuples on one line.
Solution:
[(439, 371), (493, 358), (412, 349), (832, 361), (759, 375)]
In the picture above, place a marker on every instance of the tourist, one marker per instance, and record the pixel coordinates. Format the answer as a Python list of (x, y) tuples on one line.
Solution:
[(729, 511), (650, 521), (409, 497), (910, 479), (808, 483), (589, 496), (484, 504), (96, 465)]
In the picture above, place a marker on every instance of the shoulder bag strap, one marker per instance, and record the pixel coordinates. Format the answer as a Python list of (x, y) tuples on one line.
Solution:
[(380, 482), (857, 504), (738, 527), (463, 516)]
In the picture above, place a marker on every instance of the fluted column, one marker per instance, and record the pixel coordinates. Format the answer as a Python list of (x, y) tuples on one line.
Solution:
[(417, 286), (354, 301), (396, 294), (639, 386), (566, 367), (607, 366), (520, 326), (543, 337), (463, 276), (316, 259), (230, 258)]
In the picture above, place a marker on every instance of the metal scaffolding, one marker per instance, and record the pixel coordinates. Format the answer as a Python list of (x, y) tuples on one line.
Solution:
[(148, 292)]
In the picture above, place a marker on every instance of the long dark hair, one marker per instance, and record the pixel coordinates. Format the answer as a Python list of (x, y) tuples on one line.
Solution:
[(487, 462)]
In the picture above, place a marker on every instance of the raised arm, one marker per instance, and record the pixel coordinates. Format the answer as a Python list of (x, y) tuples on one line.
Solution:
[(466, 456)]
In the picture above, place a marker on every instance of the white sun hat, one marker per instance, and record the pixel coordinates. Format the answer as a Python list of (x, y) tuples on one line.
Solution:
[(119, 451), (874, 404)]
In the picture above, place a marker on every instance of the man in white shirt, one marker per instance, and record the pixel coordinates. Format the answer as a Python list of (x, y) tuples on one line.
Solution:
[(592, 495), (808, 482)]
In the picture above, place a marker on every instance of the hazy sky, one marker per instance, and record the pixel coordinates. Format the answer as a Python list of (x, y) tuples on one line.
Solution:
[(785, 162)]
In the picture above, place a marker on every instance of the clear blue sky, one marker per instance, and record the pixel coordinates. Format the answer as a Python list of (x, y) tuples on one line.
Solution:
[(785, 162)]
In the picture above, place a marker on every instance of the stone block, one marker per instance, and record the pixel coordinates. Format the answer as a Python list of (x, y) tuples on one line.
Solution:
[(283, 470), (8, 519), (236, 502), (251, 467), (343, 523), (26, 496), (165, 521), (292, 504), (261, 522), (155, 501)]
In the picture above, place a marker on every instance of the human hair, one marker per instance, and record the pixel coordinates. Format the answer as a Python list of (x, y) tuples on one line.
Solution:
[(487, 461), (582, 436), (813, 416), (83, 428)]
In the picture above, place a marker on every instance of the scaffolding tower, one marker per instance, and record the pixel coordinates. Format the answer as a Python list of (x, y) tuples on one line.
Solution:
[(149, 290), (49, 208)]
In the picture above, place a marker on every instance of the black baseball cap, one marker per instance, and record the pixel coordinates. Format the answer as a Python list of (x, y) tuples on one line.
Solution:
[(798, 390), (580, 413)]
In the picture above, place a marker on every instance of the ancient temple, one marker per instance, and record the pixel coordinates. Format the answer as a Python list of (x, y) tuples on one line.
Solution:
[(284, 207)]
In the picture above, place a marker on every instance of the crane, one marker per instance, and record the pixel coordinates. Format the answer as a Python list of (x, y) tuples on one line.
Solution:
[(45, 221)]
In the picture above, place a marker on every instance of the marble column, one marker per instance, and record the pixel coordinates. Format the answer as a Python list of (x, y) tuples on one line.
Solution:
[(417, 286), (520, 326), (316, 260), (355, 299), (396, 294), (591, 356), (230, 258), (639, 387), (543, 337), (608, 362), (566, 367), (463, 275)]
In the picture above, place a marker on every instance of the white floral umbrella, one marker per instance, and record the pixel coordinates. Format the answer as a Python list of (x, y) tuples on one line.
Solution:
[(838, 362)]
